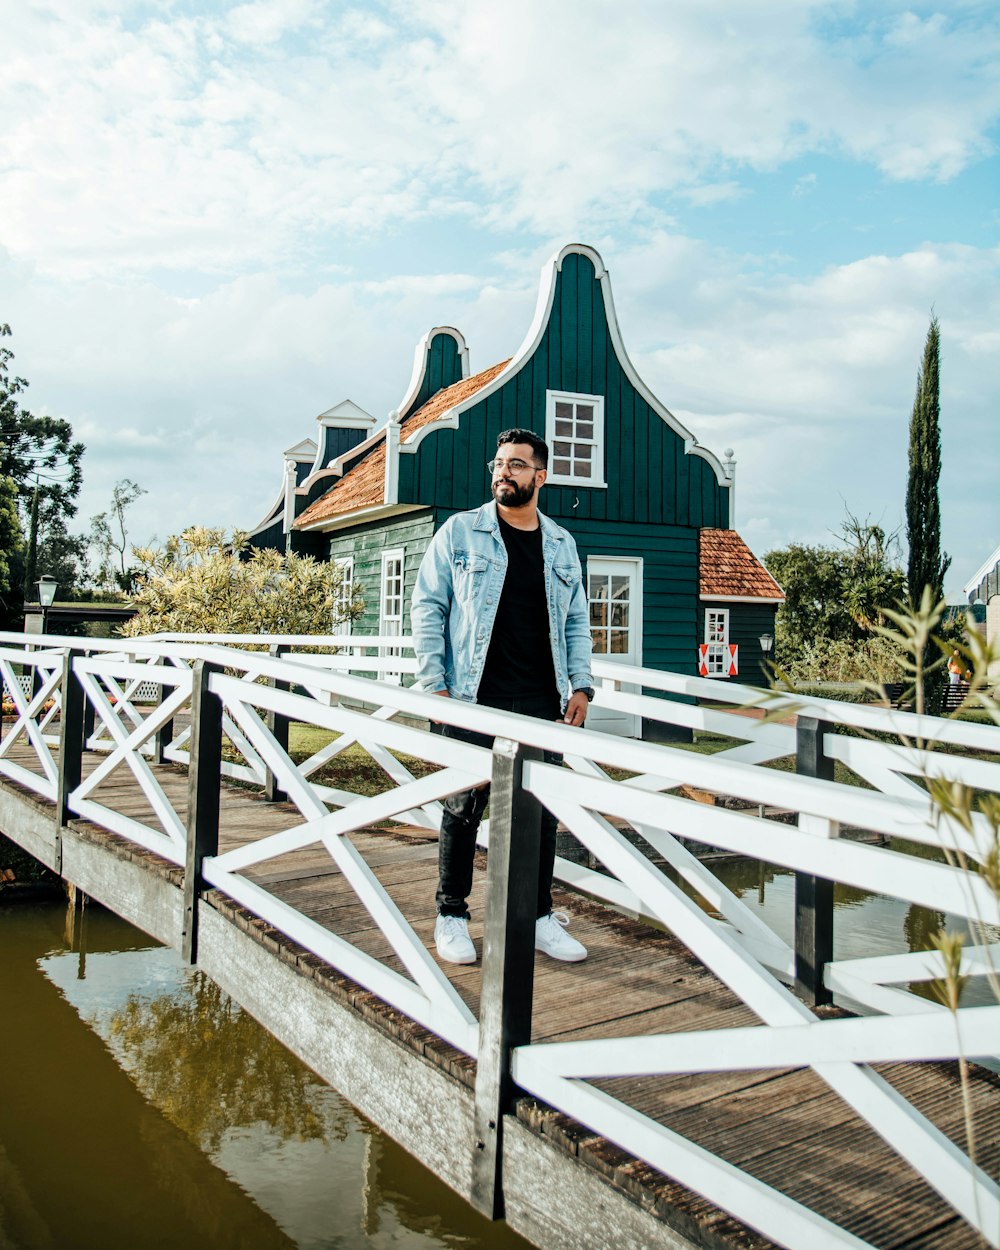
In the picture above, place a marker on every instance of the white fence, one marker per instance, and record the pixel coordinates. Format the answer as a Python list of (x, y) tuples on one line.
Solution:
[(629, 825)]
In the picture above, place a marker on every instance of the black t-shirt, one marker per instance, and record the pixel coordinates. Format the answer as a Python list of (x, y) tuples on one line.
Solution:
[(519, 661)]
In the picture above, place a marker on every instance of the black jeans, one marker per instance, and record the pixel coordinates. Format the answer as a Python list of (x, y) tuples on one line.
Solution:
[(464, 811)]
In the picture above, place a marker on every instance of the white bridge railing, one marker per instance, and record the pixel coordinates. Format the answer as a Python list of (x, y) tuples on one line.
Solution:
[(622, 800)]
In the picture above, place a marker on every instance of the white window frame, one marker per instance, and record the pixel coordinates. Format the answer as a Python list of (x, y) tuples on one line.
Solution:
[(391, 624), (597, 480), (345, 595), (613, 720), (717, 655)]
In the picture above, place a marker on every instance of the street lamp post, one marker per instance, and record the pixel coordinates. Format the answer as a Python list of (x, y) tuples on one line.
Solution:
[(46, 597)]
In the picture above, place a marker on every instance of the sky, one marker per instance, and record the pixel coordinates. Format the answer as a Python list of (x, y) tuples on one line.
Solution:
[(219, 220)]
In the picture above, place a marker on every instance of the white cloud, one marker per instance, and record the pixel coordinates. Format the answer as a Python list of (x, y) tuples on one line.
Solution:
[(245, 135)]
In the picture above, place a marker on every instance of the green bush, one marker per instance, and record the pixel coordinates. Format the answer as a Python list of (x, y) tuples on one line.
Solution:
[(839, 659)]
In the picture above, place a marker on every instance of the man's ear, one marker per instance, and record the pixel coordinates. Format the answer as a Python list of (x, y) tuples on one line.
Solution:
[(544, 473)]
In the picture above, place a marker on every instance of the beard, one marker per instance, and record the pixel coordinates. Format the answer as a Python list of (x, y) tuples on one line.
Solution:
[(510, 495)]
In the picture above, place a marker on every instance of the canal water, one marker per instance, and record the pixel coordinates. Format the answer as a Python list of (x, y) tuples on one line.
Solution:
[(141, 1107)]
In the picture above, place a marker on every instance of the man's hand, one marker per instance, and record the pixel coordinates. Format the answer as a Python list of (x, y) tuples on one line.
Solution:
[(444, 695), (576, 709)]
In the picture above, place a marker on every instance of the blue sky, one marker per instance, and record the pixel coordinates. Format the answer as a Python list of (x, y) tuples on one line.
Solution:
[(217, 221)]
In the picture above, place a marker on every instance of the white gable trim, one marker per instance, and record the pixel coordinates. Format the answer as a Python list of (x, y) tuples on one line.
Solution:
[(346, 415), (303, 451), (271, 515), (420, 362), (543, 310)]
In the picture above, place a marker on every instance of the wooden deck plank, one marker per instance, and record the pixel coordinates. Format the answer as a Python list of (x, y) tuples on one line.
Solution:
[(786, 1128)]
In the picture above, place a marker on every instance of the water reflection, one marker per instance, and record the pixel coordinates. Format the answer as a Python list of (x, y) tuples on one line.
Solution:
[(150, 1110), (865, 924)]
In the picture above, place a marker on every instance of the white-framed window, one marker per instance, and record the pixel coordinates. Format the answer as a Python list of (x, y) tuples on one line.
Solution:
[(390, 612), (345, 595), (716, 657), (609, 596), (574, 431)]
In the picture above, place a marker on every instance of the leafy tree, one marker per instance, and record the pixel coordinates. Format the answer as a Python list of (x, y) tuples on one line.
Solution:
[(813, 581), (109, 536), (926, 566), (873, 580), (62, 555), (11, 541), (38, 454), (202, 581), (834, 595)]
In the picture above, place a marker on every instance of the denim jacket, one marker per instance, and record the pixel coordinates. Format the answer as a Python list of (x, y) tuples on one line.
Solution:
[(455, 602)]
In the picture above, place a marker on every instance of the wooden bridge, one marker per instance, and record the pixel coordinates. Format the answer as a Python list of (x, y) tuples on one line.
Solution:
[(690, 1083)]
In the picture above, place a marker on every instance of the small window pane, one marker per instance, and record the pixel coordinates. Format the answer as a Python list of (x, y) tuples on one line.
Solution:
[(619, 642), (600, 642), (619, 614), (584, 412), (562, 449), (564, 429), (561, 466), (564, 410), (583, 453), (585, 429)]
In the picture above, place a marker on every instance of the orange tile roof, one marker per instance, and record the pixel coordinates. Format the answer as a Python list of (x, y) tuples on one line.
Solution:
[(364, 485), (727, 567)]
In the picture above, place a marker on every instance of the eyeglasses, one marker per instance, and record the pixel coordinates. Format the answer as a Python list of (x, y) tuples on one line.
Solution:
[(513, 466)]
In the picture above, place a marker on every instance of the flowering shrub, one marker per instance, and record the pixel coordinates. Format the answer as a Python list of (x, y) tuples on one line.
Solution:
[(205, 582)]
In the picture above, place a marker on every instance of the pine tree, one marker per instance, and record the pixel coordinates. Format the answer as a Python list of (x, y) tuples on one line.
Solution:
[(926, 566)]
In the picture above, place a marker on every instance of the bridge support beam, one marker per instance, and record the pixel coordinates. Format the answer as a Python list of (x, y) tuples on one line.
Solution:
[(508, 963), (204, 785), (813, 895), (165, 734), (71, 738), (278, 725)]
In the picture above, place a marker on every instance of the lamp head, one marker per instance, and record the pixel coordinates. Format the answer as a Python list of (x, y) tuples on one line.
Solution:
[(47, 590)]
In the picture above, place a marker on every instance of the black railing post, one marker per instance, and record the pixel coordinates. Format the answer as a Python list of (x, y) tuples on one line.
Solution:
[(508, 963), (71, 718), (813, 895), (278, 725), (165, 734), (204, 777)]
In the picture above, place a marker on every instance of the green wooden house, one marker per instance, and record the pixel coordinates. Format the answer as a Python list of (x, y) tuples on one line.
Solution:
[(670, 582)]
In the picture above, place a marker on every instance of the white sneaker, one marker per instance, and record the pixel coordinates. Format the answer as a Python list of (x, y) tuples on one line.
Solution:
[(451, 937), (552, 939)]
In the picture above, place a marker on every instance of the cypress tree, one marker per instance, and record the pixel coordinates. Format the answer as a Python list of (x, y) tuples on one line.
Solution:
[(926, 566)]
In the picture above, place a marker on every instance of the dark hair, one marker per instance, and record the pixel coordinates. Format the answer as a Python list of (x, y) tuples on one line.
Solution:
[(538, 445)]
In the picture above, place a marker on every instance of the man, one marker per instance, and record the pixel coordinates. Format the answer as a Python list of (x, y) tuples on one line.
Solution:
[(499, 617)]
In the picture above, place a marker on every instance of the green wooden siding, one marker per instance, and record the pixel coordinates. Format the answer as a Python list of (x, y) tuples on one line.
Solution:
[(669, 584), (442, 367), (747, 621), (650, 480), (365, 545)]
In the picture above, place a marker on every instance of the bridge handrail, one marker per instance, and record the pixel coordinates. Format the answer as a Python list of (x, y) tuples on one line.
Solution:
[(618, 822)]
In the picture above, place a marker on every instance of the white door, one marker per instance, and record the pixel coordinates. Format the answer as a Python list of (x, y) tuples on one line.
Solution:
[(390, 617), (614, 595)]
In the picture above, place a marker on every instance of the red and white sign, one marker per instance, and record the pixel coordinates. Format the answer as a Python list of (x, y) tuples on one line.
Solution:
[(718, 659)]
